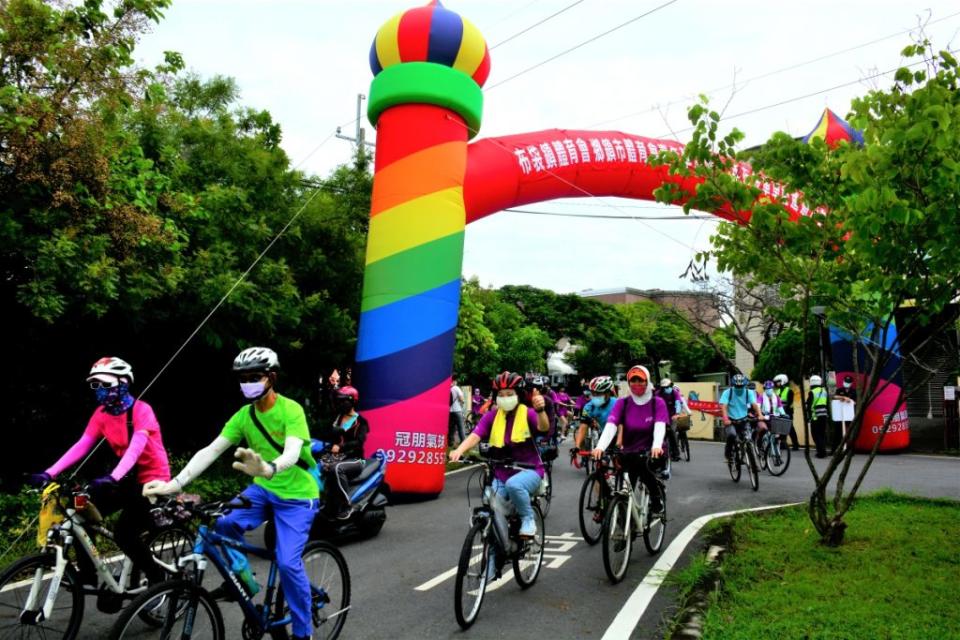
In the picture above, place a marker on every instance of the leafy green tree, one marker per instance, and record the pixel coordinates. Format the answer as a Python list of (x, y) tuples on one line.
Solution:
[(882, 232), (780, 355), (476, 357)]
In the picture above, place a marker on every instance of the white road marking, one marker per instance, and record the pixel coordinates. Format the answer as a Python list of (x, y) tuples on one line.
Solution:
[(633, 609), (554, 557)]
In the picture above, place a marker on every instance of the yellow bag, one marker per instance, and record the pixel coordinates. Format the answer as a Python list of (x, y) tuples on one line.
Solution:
[(50, 511)]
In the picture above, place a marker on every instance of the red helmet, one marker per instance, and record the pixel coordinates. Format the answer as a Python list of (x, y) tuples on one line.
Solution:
[(348, 392), (508, 380)]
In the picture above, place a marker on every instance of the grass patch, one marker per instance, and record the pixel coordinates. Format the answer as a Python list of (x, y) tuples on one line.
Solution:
[(896, 575)]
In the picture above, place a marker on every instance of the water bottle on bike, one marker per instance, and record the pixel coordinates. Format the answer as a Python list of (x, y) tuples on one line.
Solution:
[(240, 566)]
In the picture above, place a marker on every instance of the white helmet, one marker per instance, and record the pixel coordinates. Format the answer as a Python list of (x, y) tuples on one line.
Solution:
[(816, 381), (109, 369), (781, 379), (256, 359), (666, 382)]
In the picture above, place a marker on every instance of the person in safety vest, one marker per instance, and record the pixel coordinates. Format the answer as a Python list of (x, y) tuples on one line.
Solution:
[(284, 485), (131, 429), (817, 413)]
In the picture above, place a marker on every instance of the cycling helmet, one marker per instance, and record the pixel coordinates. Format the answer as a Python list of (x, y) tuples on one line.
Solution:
[(112, 369), (781, 379), (768, 384), (348, 392), (666, 382), (256, 359), (601, 384), (739, 380), (508, 380), (816, 381), (638, 370), (537, 382)]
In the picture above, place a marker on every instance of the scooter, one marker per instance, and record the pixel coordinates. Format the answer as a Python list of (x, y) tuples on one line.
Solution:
[(369, 495)]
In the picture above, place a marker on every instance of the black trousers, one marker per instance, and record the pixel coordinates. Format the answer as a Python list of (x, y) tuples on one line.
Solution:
[(818, 427), (636, 466), (134, 521), (340, 473)]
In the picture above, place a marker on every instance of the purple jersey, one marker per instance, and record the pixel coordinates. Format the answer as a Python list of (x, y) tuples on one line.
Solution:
[(638, 421)]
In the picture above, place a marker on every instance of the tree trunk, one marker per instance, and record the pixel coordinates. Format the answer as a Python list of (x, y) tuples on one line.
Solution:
[(833, 537)]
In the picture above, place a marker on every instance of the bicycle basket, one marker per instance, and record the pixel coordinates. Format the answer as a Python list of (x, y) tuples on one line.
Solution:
[(50, 511), (780, 425), (683, 423)]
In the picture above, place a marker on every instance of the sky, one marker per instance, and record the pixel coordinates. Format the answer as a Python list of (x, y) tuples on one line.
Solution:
[(769, 65)]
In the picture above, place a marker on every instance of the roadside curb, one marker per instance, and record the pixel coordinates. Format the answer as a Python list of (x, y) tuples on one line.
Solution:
[(636, 605)]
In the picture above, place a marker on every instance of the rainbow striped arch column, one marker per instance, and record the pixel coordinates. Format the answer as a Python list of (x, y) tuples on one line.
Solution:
[(425, 101)]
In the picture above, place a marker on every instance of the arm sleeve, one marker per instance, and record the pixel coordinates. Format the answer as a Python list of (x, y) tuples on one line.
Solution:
[(137, 444), (291, 453), (202, 459), (609, 433), (659, 430), (74, 454)]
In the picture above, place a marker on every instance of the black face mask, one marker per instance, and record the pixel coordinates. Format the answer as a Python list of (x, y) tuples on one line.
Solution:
[(344, 406)]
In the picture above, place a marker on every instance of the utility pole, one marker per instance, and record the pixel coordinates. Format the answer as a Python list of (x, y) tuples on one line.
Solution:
[(360, 140)]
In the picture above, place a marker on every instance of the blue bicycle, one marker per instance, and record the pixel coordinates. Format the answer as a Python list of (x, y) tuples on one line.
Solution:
[(187, 610)]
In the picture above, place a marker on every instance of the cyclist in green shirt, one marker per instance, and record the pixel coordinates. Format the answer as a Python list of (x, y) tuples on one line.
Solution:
[(283, 483)]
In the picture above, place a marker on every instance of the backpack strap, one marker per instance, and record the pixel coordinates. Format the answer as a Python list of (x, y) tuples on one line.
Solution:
[(130, 423), (276, 445)]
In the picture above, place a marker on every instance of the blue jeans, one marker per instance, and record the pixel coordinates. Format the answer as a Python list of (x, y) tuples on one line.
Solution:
[(293, 519), (519, 487)]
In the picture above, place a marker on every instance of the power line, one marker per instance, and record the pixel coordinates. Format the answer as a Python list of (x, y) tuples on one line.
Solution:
[(611, 217), (536, 24), (585, 42), (775, 71)]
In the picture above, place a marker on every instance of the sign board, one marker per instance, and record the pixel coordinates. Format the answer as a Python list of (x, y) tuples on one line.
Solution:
[(949, 393), (842, 411)]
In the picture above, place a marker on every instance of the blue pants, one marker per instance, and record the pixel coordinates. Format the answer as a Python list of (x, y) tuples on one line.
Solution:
[(293, 519), (519, 487)]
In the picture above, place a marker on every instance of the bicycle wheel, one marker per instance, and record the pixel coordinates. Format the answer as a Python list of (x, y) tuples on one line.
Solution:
[(527, 563), (329, 578), (656, 528), (762, 449), (685, 446), (16, 584), (471, 576), (735, 463), (753, 467), (200, 618), (779, 459), (167, 545), (617, 540), (592, 506), (543, 501)]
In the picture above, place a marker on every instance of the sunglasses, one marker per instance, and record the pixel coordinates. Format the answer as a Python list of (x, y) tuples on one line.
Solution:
[(251, 377), (100, 384)]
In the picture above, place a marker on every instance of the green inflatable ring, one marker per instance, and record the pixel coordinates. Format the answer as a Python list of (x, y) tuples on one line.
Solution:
[(427, 83)]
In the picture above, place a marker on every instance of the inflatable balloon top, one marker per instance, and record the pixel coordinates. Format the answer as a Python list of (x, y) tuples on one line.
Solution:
[(429, 65)]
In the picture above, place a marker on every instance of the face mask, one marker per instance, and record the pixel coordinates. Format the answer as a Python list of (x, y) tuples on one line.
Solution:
[(507, 403), (115, 400), (597, 402), (253, 390), (344, 406), (847, 385), (638, 389)]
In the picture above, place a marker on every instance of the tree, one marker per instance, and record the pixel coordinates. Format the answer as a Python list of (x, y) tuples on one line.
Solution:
[(476, 355), (780, 354), (882, 231)]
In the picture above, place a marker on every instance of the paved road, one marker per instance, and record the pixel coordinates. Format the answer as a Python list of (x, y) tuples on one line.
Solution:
[(572, 598)]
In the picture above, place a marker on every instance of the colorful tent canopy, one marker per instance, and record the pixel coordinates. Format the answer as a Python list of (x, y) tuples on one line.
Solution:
[(832, 129)]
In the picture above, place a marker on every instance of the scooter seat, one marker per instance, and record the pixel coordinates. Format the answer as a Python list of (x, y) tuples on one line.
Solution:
[(370, 467)]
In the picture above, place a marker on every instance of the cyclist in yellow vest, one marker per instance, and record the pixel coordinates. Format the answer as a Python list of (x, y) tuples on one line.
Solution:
[(817, 412)]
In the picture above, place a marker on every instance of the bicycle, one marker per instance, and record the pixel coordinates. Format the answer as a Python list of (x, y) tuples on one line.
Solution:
[(595, 495), (683, 442), (590, 440), (774, 454), (744, 452), (628, 515), (187, 609), (548, 448), (494, 528), (41, 595)]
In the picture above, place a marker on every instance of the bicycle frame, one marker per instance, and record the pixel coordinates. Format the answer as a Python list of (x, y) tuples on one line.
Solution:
[(206, 550)]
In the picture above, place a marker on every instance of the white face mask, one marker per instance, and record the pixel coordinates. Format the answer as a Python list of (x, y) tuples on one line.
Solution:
[(508, 403), (253, 390)]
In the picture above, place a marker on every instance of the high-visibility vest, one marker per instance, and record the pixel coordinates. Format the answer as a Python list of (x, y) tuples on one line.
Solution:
[(820, 402)]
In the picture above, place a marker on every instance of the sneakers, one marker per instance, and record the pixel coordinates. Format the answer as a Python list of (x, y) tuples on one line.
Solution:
[(345, 514), (528, 528)]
